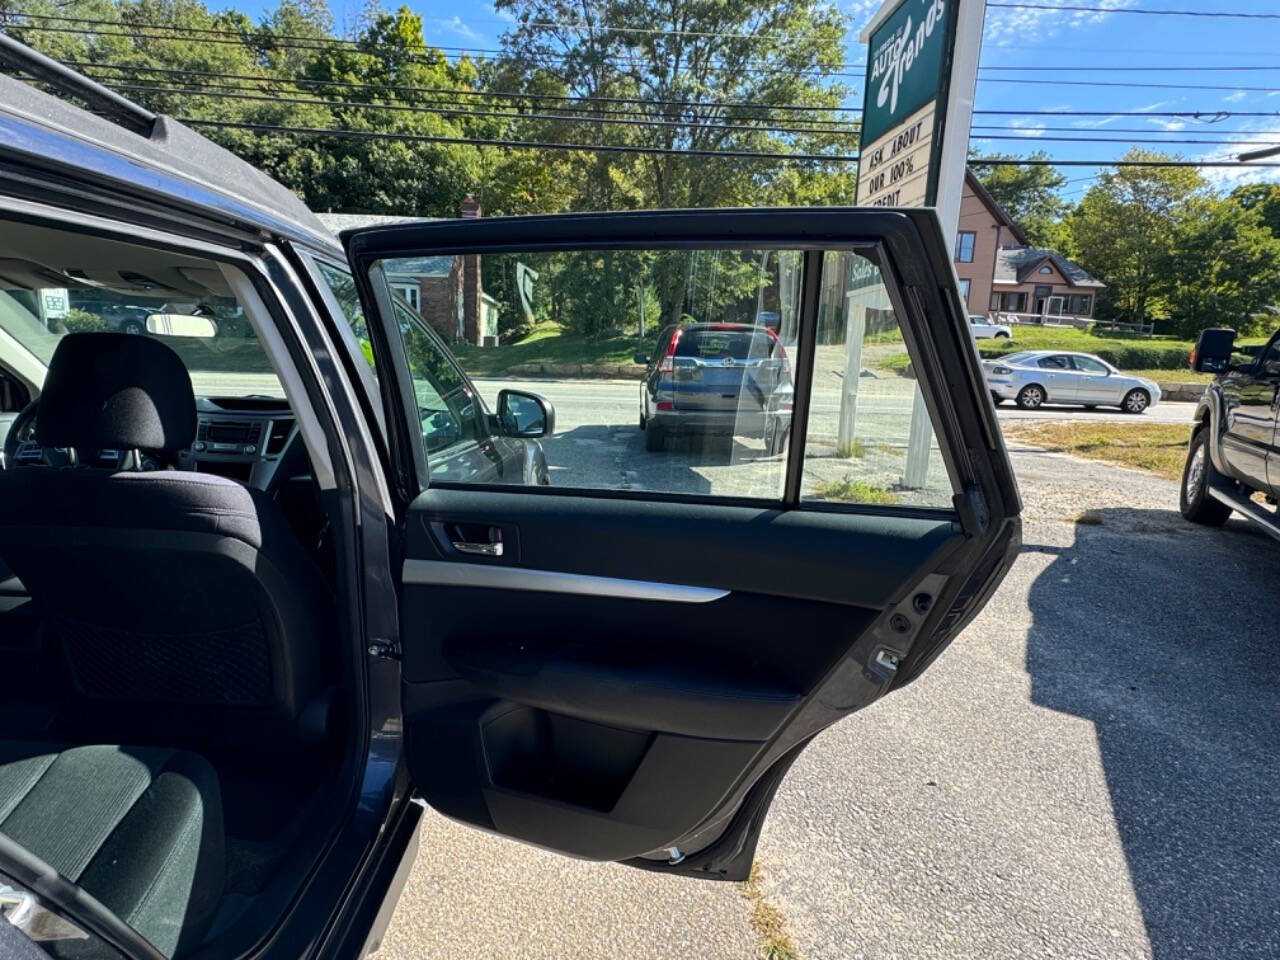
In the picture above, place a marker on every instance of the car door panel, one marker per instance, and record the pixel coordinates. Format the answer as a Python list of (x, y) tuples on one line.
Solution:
[(1250, 397), (631, 676)]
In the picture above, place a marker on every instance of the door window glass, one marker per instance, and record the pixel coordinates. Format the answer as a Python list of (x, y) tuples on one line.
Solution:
[(1090, 365), (447, 409), (1054, 363), (671, 371), (869, 438)]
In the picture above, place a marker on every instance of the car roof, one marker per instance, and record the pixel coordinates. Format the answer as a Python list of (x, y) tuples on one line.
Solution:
[(175, 166)]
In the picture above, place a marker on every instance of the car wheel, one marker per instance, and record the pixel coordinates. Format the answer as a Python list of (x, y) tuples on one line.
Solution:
[(641, 419), (132, 326), (1001, 336), (1031, 396), (1198, 476), (996, 398), (655, 438), (1135, 401)]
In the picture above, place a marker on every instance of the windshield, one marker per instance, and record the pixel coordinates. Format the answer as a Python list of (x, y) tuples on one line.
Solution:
[(231, 362)]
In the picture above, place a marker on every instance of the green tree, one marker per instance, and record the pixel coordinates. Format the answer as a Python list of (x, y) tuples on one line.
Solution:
[(705, 68), (1028, 193), (1223, 267), (1123, 231), (1263, 197)]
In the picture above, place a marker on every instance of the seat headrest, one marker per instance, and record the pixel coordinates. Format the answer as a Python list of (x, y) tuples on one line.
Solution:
[(116, 390)]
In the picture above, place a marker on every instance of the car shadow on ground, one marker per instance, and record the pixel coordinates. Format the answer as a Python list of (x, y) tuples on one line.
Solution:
[(1167, 637), (614, 457)]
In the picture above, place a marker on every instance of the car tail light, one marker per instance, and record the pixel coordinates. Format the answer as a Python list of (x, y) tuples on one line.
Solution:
[(668, 362), (782, 352), (666, 405), (1194, 351)]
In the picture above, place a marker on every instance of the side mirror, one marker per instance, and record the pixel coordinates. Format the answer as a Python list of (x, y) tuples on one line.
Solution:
[(181, 325), (1212, 353), (525, 415), (642, 359)]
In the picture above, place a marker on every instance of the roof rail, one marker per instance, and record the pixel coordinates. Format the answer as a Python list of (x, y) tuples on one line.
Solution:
[(100, 100)]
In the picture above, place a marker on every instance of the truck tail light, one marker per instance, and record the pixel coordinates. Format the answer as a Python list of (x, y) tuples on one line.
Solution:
[(668, 363)]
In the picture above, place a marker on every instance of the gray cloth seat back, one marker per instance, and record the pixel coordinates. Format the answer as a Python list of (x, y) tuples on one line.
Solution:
[(181, 598)]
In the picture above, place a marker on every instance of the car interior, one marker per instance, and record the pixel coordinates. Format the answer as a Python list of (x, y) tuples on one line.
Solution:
[(171, 700)]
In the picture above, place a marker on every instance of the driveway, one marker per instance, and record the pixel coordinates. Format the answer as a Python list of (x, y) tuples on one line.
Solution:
[(1092, 770)]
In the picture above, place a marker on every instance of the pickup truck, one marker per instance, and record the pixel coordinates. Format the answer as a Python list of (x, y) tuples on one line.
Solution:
[(1235, 444)]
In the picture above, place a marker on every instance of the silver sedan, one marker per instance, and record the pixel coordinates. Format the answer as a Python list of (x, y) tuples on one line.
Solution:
[(1037, 377)]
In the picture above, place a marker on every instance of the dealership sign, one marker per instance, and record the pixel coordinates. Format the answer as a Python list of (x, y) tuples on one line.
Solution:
[(910, 49)]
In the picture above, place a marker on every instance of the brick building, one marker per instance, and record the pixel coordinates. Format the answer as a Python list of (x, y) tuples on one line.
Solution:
[(1001, 272), (446, 291)]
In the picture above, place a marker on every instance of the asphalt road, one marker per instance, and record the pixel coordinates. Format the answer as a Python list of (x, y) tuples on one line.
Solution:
[(1092, 770)]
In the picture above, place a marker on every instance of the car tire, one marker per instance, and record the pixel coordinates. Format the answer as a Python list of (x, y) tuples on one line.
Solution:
[(1198, 476), (1135, 401), (1031, 397), (996, 398), (132, 327), (1001, 336), (655, 438)]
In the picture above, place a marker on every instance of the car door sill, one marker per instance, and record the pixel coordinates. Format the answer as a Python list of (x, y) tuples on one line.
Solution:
[(441, 573)]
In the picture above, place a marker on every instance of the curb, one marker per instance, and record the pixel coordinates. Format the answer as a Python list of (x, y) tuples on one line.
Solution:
[(1189, 392)]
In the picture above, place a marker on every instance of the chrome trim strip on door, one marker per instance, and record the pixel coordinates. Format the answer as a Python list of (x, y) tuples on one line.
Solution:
[(440, 573)]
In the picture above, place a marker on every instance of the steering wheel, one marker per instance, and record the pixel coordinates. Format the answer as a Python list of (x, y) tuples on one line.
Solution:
[(23, 424)]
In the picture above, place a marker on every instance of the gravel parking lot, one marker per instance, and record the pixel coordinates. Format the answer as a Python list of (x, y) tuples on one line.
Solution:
[(1091, 770)]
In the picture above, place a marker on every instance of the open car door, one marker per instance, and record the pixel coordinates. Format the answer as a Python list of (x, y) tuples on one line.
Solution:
[(622, 664)]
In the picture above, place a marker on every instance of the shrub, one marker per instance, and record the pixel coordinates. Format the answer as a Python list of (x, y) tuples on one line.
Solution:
[(82, 321), (1121, 356)]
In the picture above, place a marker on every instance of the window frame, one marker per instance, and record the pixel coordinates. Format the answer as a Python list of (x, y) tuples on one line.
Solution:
[(972, 235), (911, 276)]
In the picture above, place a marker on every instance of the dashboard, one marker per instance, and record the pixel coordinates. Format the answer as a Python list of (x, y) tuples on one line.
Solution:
[(244, 438), (249, 439)]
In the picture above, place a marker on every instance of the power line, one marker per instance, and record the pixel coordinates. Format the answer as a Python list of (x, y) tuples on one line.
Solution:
[(1073, 8), (1208, 115), (452, 91), (1111, 69), (1002, 162), (224, 35), (1110, 129), (662, 151), (265, 97), (1032, 136), (1118, 83), (517, 144)]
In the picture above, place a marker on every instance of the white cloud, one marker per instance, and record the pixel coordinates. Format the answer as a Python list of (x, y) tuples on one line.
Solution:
[(1154, 106), (456, 26), (1164, 124), (1034, 128), (1014, 27), (1235, 97), (1091, 123), (1228, 178)]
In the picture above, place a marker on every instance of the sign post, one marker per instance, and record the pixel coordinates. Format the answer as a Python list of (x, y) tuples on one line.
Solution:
[(922, 67)]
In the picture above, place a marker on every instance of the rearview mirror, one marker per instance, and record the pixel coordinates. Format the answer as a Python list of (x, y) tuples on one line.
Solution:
[(1212, 353), (525, 415), (181, 325)]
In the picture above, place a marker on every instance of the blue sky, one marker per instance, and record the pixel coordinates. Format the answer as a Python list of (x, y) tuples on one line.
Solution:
[(1043, 38)]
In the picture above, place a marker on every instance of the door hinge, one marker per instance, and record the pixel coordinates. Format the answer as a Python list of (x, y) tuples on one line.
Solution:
[(384, 649)]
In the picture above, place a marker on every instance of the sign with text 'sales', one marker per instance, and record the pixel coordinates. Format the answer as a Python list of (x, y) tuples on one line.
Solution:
[(910, 49)]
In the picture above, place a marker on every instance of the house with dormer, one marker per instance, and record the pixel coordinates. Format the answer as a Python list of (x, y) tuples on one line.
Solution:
[(1001, 272)]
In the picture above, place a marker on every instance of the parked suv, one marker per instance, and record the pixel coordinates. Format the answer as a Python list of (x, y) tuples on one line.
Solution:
[(265, 587), (1235, 444), (716, 378)]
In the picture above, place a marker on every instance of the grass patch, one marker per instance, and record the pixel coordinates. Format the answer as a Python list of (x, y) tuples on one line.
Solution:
[(849, 490), (767, 922), (1159, 448), (548, 343), (857, 450)]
